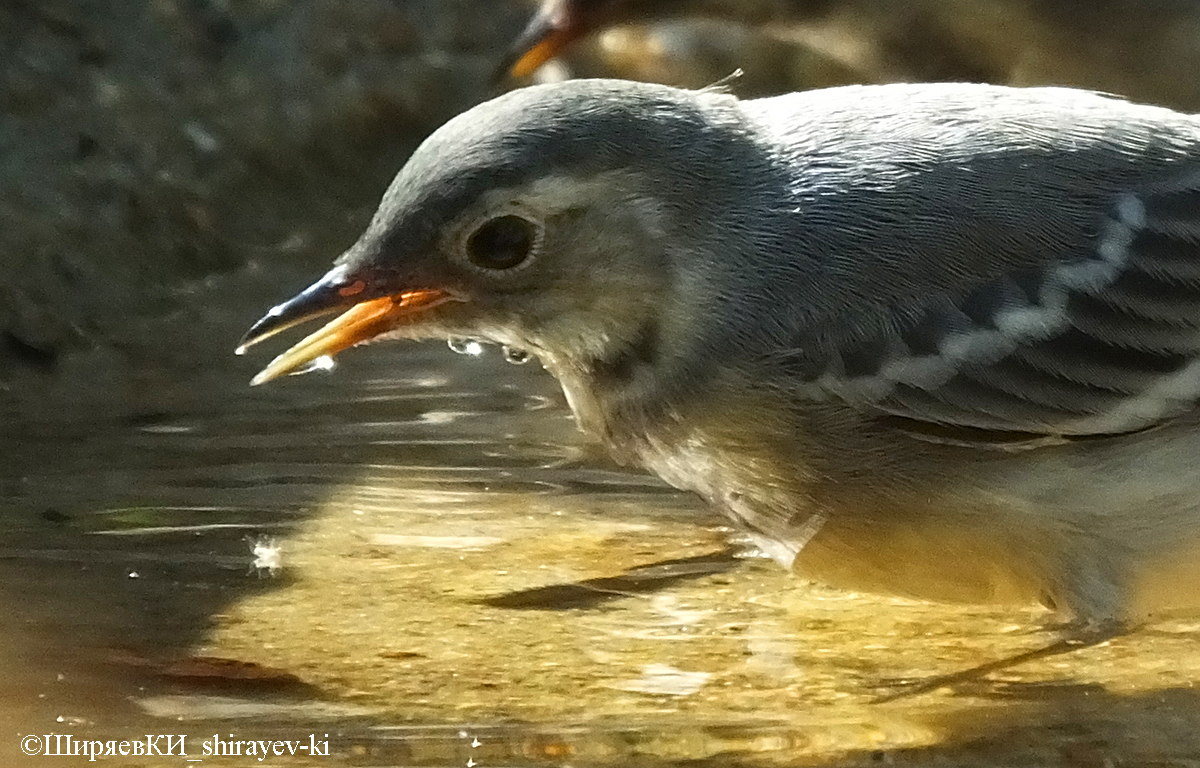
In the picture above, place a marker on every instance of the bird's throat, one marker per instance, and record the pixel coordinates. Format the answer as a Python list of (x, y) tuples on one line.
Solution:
[(614, 397)]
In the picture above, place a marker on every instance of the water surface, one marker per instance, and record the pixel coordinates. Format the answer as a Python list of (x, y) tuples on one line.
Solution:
[(417, 555)]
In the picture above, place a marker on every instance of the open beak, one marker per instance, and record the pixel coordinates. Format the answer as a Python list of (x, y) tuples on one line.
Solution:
[(548, 33), (366, 315)]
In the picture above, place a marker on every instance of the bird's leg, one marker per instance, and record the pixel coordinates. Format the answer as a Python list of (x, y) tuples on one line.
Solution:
[(1075, 636), (1091, 591)]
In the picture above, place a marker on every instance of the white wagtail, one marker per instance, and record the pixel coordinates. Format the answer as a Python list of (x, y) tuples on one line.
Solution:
[(933, 340)]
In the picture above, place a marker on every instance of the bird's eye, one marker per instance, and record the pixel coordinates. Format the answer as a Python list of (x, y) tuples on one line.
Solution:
[(502, 243)]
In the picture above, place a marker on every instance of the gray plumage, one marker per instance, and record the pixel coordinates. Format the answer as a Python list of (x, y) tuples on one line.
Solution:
[(936, 340)]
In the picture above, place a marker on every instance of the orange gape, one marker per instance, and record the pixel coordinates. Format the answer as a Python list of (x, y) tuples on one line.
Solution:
[(359, 323)]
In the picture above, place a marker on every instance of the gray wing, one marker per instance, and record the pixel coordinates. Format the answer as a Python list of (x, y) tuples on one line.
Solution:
[(1105, 344)]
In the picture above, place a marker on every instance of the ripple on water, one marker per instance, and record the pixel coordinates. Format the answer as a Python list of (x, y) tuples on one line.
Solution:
[(454, 580)]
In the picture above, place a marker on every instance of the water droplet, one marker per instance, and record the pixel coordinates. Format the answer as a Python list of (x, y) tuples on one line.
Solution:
[(465, 346), (322, 363), (516, 356)]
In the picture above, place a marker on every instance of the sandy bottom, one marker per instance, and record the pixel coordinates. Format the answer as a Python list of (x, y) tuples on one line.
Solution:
[(415, 556)]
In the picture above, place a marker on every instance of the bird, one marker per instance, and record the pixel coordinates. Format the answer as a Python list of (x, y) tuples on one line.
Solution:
[(939, 341), (1144, 50)]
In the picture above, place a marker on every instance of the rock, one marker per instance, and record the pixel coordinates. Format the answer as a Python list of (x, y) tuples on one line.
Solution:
[(150, 146)]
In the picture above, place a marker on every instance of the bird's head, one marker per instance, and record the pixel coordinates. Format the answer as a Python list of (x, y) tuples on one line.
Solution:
[(558, 23), (587, 222)]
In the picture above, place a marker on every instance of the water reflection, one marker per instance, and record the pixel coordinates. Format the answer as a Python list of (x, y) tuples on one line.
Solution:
[(418, 557)]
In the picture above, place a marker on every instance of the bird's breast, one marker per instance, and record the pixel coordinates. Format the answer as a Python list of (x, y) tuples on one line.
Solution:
[(1099, 528)]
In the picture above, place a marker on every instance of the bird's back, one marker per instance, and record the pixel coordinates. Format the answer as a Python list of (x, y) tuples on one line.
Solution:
[(897, 183), (980, 300)]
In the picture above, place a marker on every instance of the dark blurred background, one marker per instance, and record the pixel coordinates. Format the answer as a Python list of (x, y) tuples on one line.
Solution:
[(157, 157)]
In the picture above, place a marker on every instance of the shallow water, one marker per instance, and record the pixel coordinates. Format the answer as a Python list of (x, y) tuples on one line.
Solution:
[(418, 556)]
